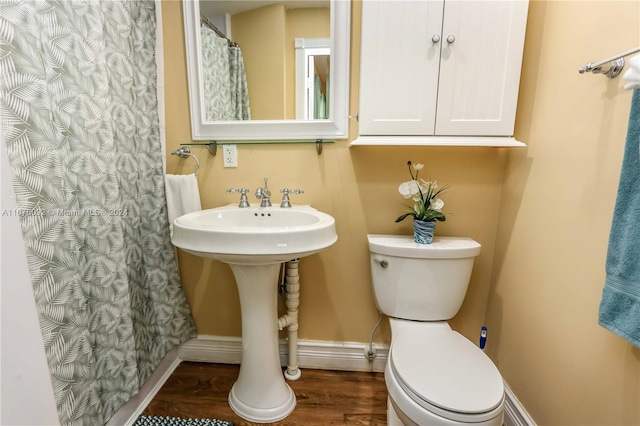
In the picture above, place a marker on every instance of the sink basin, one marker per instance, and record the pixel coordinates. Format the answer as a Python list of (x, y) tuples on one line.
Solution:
[(254, 241), (254, 234)]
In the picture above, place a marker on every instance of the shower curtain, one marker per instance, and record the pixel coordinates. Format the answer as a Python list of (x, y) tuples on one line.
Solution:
[(320, 104), (80, 121), (226, 93)]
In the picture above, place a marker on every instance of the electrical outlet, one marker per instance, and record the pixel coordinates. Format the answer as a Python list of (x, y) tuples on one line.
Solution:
[(230, 155)]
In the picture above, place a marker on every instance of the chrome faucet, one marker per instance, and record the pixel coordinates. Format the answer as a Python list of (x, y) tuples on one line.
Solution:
[(244, 203), (285, 196), (264, 194)]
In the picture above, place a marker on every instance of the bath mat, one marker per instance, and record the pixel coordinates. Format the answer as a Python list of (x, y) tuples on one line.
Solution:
[(178, 421)]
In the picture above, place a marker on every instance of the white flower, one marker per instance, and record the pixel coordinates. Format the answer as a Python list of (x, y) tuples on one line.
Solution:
[(426, 184), (436, 204), (409, 189), (425, 196)]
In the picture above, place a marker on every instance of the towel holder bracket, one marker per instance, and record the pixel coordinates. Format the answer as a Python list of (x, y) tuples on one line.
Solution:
[(185, 152), (611, 67), (611, 70), (212, 147)]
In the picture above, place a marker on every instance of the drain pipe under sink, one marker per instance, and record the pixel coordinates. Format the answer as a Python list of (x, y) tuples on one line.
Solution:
[(290, 319)]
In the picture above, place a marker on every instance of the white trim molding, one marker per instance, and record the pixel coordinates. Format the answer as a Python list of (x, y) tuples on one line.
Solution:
[(336, 127), (347, 356), (514, 412), (486, 141)]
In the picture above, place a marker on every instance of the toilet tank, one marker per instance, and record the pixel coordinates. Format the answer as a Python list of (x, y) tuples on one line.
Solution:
[(423, 282)]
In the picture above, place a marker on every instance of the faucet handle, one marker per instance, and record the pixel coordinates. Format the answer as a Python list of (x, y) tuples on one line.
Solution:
[(285, 196), (244, 202)]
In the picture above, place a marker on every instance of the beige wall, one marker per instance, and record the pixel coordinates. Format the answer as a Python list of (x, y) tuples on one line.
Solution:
[(260, 33), (302, 23), (556, 211), (549, 215)]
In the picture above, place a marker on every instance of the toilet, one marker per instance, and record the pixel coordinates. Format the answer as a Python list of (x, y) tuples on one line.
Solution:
[(434, 375)]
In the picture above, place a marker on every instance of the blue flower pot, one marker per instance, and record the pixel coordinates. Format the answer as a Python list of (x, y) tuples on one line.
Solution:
[(423, 231)]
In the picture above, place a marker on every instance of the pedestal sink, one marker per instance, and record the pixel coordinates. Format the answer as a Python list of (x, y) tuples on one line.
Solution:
[(254, 241)]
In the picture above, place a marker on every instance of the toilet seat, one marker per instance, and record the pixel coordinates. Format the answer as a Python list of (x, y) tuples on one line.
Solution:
[(446, 374)]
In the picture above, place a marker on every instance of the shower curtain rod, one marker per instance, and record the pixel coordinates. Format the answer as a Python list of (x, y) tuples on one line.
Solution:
[(616, 63), (208, 23)]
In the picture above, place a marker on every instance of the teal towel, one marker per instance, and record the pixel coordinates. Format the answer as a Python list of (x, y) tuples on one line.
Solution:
[(620, 305)]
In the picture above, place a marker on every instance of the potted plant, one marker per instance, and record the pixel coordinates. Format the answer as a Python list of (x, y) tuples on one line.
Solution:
[(427, 205)]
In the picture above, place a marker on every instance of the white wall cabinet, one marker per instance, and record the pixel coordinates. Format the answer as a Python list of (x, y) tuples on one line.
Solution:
[(445, 68)]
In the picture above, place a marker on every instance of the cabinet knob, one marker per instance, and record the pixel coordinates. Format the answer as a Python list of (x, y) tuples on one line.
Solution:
[(435, 39), (451, 38)]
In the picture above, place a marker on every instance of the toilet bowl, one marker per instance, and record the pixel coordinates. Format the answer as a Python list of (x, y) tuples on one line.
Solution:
[(434, 375)]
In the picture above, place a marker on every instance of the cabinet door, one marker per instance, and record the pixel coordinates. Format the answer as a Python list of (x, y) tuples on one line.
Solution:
[(399, 67), (480, 70)]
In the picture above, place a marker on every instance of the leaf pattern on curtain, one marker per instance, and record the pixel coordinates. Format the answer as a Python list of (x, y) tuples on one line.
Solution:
[(80, 120), (226, 94)]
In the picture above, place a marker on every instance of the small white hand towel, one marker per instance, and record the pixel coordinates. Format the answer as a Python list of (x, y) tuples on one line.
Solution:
[(183, 196), (633, 73)]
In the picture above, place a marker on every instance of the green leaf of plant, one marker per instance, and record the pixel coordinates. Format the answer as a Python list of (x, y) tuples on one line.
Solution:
[(404, 216)]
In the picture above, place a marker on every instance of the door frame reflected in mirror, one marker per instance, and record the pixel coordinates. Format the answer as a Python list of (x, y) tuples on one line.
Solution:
[(306, 49), (335, 127)]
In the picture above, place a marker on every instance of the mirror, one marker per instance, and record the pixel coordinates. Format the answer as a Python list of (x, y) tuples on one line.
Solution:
[(313, 101)]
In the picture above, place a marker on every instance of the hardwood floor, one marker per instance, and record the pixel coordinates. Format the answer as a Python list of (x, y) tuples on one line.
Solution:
[(200, 390)]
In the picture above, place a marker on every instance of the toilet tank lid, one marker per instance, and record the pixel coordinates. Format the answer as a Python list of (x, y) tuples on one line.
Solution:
[(440, 248)]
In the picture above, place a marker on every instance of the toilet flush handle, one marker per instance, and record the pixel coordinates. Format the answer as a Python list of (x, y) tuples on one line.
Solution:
[(382, 263)]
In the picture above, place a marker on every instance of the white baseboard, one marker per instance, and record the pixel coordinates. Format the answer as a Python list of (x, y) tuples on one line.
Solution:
[(514, 412), (349, 356), (129, 412)]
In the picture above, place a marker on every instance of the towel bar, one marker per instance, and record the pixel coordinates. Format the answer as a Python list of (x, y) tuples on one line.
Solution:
[(185, 152), (613, 65)]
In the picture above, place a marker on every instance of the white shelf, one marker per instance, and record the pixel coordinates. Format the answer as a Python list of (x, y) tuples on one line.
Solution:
[(488, 141)]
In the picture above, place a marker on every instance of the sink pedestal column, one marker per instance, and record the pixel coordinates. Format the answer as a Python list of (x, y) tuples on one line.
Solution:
[(260, 394)]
